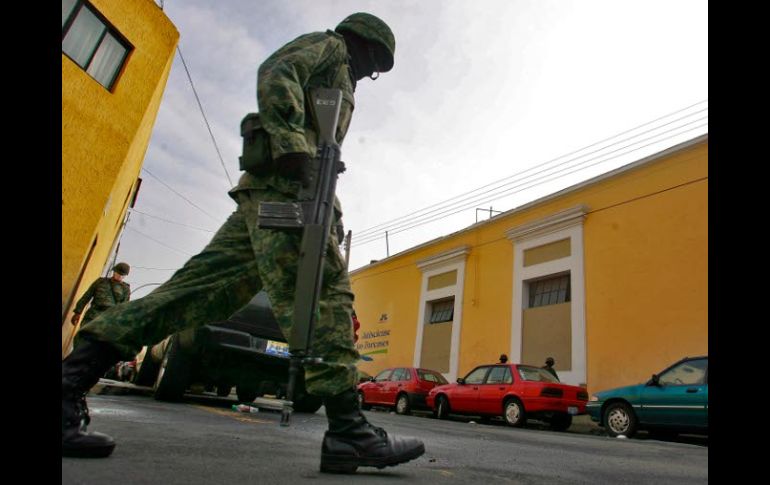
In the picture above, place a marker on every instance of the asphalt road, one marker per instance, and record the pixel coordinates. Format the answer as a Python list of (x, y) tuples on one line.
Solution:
[(204, 441)]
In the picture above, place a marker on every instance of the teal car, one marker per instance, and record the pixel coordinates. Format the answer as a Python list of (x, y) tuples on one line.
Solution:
[(674, 401)]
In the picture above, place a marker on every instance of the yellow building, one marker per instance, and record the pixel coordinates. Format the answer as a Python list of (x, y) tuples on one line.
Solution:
[(116, 59), (609, 277)]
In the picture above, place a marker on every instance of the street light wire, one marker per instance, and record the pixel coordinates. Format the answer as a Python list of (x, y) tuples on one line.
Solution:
[(159, 242), (172, 222), (507, 192), (214, 141), (177, 193), (380, 228)]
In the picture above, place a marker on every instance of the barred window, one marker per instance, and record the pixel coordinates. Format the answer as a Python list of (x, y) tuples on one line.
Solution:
[(549, 291), (442, 311), (91, 42)]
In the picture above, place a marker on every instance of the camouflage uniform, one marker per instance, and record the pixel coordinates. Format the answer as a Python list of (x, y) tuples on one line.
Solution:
[(242, 259), (103, 293)]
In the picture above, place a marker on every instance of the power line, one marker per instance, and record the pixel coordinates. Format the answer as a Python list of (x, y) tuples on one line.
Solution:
[(171, 222), (508, 190), (159, 242), (204, 116), (503, 238), (422, 220), (399, 219), (177, 193), (395, 223)]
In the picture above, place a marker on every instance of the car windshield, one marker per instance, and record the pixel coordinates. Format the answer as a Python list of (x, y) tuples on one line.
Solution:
[(536, 374), (691, 372), (431, 376)]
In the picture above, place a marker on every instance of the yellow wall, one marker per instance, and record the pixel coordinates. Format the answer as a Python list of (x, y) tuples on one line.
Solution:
[(646, 275), (104, 139), (646, 266)]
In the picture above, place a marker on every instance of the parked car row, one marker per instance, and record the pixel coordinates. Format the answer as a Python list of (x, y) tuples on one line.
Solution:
[(674, 401), (248, 352), (514, 392)]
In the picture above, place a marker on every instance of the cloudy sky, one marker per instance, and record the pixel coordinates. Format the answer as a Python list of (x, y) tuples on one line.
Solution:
[(491, 103)]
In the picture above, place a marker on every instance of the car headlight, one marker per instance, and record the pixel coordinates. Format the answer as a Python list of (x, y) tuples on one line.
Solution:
[(593, 399)]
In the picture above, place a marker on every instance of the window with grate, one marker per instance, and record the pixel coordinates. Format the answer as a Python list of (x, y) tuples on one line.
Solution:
[(549, 291), (442, 311), (91, 42)]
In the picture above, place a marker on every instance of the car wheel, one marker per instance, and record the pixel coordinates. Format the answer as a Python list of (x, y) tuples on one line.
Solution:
[(619, 419), (442, 407), (362, 401), (402, 404), (147, 371), (561, 422), (174, 373), (514, 414)]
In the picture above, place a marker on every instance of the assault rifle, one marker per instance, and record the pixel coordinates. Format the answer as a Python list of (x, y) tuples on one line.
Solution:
[(312, 214)]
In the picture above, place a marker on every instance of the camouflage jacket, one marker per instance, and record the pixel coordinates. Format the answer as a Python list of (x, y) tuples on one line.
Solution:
[(105, 292), (318, 59)]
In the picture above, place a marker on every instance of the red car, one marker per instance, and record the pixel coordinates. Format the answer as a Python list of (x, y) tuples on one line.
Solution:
[(515, 392), (404, 388)]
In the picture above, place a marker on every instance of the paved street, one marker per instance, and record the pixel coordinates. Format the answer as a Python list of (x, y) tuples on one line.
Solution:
[(203, 441)]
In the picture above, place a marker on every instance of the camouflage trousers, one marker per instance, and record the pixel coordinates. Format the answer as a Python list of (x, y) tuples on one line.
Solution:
[(241, 260)]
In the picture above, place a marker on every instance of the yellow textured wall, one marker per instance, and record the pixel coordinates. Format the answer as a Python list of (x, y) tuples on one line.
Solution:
[(104, 139), (646, 272), (646, 275)]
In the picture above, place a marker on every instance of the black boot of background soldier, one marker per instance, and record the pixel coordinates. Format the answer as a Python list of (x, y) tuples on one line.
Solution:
[(351, 441), (79, 372)]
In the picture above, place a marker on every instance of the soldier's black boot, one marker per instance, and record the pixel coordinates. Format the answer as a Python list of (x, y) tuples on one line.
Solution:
[(351, 441), (79, 372)]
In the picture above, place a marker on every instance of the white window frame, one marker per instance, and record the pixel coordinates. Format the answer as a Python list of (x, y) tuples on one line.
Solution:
[(567, 224), (453, 260)]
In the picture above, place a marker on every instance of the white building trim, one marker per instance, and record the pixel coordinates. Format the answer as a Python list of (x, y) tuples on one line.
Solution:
[(562, 225), (432, 266)]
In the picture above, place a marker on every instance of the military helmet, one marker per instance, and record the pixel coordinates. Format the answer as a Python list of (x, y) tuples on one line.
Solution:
[(122, 268), (374, 30)]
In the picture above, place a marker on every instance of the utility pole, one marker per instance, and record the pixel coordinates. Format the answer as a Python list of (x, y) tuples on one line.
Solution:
[(490, 212), (387, 245)]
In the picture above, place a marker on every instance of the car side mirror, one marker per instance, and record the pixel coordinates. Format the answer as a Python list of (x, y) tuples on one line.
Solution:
[(654, 381), (460, 380), (371, 379)]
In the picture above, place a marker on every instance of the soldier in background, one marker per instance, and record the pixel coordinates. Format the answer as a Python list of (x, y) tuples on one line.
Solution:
[(549, 362), (243, 258), (103, 294)]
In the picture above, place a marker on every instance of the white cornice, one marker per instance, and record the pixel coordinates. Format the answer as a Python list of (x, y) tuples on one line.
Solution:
[(555, 222), (455, 255)]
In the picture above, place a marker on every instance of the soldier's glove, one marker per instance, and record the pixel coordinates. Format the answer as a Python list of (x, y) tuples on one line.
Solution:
[(294, 166)]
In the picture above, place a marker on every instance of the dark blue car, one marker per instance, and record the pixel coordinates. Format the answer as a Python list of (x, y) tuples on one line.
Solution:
[(673, 401)]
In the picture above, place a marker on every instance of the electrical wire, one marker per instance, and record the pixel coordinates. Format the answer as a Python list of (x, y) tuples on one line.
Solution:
[(177, 193), (216, 147), (452, 200), (425, 219), (172, 222)]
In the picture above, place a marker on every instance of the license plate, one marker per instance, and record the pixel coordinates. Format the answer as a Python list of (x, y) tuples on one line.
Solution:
[(572, 410), (277, 348)]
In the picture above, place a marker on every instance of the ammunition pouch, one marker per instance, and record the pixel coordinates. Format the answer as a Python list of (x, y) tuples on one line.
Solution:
[(256, 157)]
